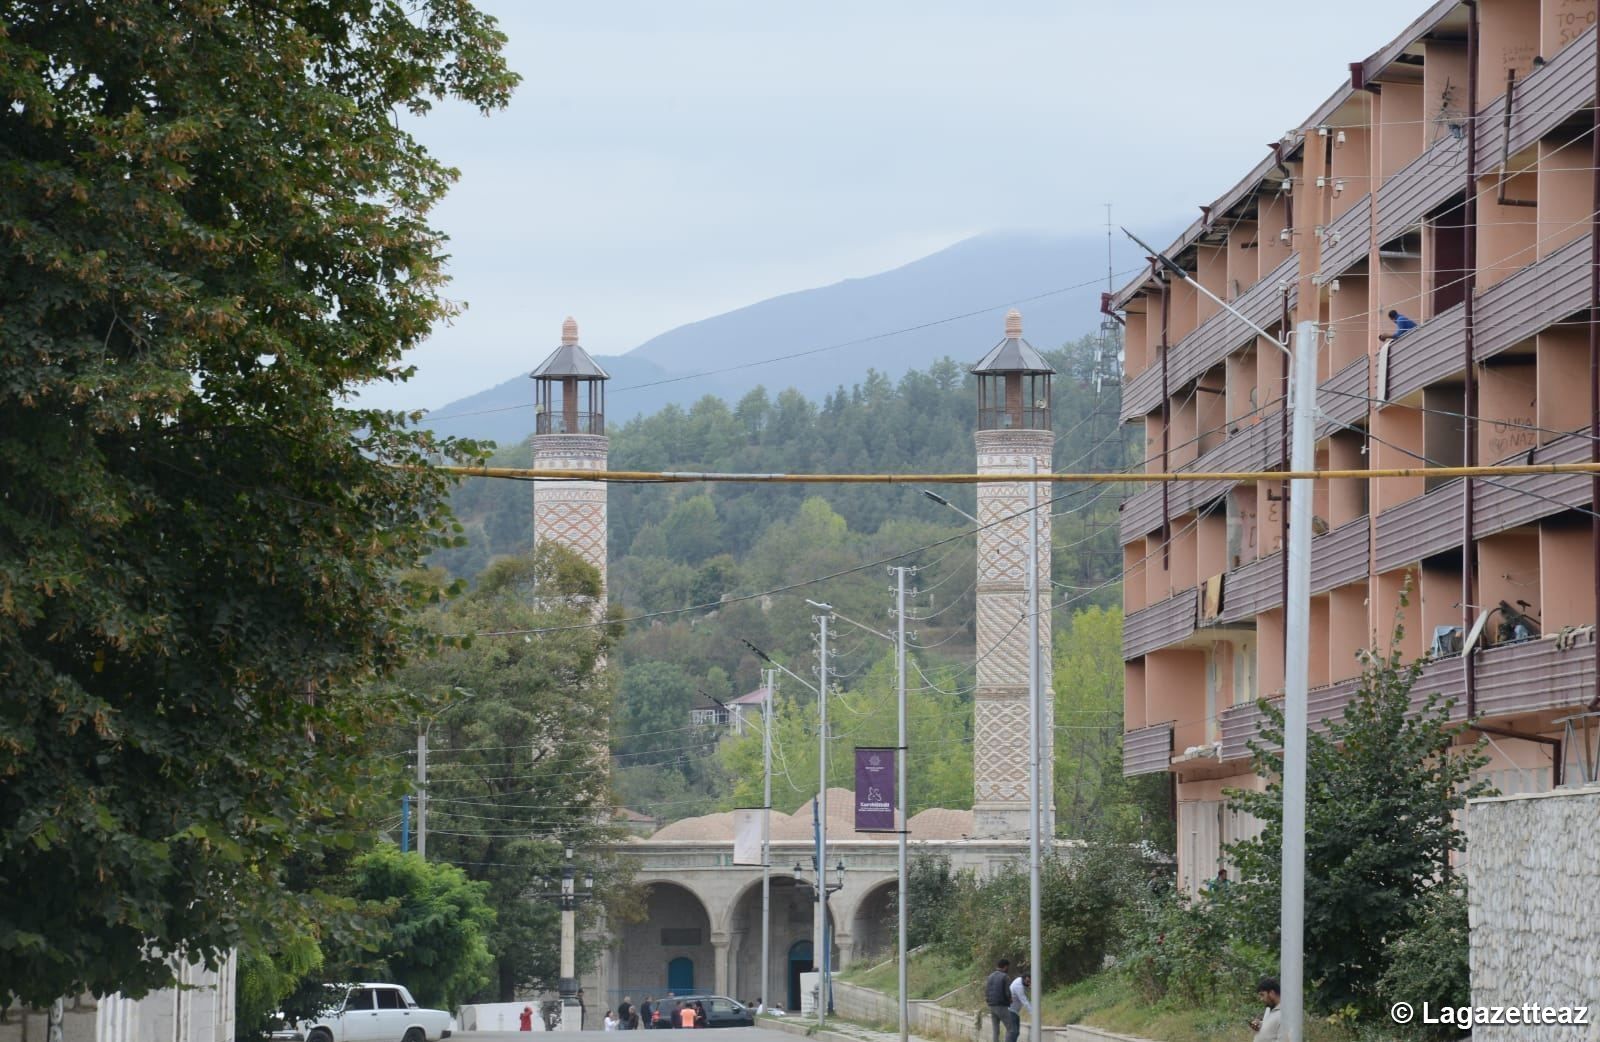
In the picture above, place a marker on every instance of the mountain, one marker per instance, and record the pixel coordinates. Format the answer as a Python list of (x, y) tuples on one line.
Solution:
[(949, 303)]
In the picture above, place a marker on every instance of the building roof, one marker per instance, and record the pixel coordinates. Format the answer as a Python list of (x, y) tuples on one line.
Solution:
[(1013, 354), (570, 359), (753, 698), (935, 823)]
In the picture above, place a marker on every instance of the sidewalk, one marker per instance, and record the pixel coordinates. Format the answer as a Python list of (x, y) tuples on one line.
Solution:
[(838, 1030)]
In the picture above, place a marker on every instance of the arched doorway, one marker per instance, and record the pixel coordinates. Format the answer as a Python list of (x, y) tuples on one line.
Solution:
[(668, 949), (800, 959), (873, 928), (792, 919)]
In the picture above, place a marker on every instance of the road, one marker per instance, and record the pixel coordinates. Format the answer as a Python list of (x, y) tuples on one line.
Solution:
[(718, 1035)]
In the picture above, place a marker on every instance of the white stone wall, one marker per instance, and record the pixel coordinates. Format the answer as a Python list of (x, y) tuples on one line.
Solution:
[(202, 1010), (1000, 725), (1533, 875)]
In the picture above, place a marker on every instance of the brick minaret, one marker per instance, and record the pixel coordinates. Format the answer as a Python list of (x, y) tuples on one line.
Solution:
[(1013, 432), (571, 435)]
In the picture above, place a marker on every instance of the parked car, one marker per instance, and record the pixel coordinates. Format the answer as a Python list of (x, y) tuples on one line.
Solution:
[(721, 1011), (377, 1013)]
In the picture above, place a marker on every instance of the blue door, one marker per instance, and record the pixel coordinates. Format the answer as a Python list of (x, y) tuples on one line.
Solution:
[(680, 976), (799, 962)]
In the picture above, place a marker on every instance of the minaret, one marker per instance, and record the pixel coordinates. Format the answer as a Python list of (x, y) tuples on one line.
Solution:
[(570, 434), (1013, 434)]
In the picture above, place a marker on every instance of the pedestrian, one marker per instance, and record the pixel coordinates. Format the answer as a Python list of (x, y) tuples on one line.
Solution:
[(582, 1011), (647, 1011), (1269, 1026), (625, 1014), (609, 1023), (525, 1021), (1019, 1005), (686, 1015), (1402, 326), (994, 994)]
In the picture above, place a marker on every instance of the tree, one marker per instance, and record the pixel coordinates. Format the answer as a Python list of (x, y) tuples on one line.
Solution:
[(437, 923), (216, 231), (517, 765), (1383, 786)]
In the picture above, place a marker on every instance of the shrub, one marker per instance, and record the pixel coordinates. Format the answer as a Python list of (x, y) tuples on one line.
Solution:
[(1188, 951), (1430, 959)]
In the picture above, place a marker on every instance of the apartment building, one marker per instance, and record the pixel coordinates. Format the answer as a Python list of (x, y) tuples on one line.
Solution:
[(1451, 179)]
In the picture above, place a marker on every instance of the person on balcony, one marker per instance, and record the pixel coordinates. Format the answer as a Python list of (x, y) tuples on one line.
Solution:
[(1402, 326)]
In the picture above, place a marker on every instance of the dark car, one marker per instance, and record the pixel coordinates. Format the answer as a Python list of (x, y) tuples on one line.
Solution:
[(721, 1011)]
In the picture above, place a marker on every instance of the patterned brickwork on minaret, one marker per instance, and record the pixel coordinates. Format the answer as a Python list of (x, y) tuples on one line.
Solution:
[(571, 437), (1000, 727)]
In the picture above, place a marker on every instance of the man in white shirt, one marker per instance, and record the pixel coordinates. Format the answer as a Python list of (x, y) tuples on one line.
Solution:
[(1269, 1026), (1019, 1004)]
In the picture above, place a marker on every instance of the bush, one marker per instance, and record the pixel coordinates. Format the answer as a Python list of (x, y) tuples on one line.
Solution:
[(1189, 951), (1430, 960)]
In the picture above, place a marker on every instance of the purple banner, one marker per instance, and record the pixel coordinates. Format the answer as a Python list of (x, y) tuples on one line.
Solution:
[(875, 770)]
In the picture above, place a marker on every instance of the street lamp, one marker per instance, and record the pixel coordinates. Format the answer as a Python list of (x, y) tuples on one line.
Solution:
[(422, 764), (945, 502), (569, 896)]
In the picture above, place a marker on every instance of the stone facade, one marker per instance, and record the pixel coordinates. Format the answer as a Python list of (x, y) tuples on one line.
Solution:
[(1534, 891), (572, 513), (200, 1009), (1000, 727)]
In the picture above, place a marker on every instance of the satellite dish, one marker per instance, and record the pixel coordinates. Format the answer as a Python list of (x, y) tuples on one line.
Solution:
[(1475, 633)]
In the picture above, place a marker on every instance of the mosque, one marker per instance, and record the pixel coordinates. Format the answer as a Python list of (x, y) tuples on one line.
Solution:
[(702, 927)]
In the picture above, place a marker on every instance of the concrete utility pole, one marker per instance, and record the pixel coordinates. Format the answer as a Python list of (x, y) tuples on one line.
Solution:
[(1036, 771), (422, 791), (771, 676), (823, 944), (900, 783)]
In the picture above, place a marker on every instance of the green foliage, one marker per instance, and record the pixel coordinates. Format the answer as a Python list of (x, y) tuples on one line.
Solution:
[(1383, 786), (1188, 953), (1430, 958), (437, 926), (930, 886), (216, 232), (1081, 895), (517, 729)]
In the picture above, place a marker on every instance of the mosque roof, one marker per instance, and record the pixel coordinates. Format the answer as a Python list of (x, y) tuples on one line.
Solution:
[(935, 823)]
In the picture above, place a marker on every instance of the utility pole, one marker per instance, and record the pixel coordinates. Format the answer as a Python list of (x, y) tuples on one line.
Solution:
[(422, 791), (900, 787), (1297, 628), (771, 676), (1296, 647), (1036, 771), (824, 942)]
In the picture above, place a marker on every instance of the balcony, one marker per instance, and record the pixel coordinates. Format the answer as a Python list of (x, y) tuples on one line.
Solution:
[(570, 423), (1343, 397), (1420, 186), (1503, 503), (1346, 241), (1163, 623), (1147, 750), (1252, 588), (1425, 355), (1534, 676), (1250, 448), (1339, 557), (1238, 725), (1420, 527), (1562, 88), (1217, 337), (1535, 298)]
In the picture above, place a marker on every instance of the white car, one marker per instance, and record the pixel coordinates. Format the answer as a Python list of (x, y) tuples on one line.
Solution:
[(377, 1013)]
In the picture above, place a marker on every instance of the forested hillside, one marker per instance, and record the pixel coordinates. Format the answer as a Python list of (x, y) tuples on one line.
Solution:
[(751, 551)]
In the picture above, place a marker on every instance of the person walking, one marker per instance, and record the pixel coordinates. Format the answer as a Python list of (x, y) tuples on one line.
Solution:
[(1269, 1026), (525, 1021), (994, 995), (625, 1014), (1020, 1005), (647, 1012)]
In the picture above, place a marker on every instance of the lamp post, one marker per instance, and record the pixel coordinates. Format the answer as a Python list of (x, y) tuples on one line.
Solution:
[(1302, 407), (568, 897), (422, 766), (820, 894)]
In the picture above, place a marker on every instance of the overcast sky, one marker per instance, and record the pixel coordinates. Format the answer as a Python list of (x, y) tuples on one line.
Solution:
[(664, 162)]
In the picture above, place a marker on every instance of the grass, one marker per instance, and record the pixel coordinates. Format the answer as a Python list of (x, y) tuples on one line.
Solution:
[(1106, 1000), (929, 975)]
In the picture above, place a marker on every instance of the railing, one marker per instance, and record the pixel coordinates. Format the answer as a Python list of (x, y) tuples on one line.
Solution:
[(1326, 704), (1252, 588), (580, 423), (1163, 623), (1549, 95), (1003, 419), (1504, 503), (1426, 354), (1346, 241), (1340, 556), (1147, 750), (1420, 186), (1532, 299), (1343, 397), (1420, 527), (1237, 725), (1535, 675), (1254, 447)]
